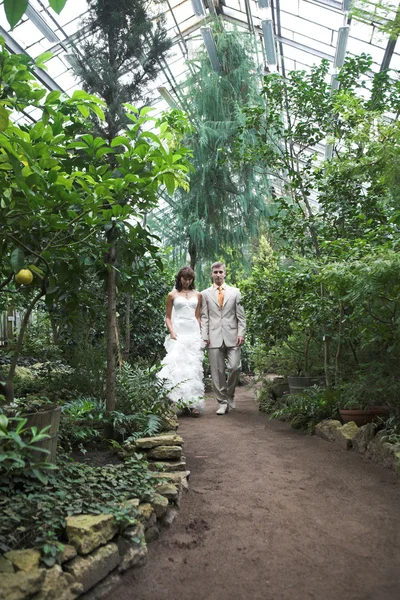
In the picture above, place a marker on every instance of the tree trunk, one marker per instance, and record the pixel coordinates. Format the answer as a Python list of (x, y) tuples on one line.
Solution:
[(328, 381), (127, 327), (338, 354), (111, 328), (55, 330), (9, 388), (192, 253), (306, 350), (10, 323)]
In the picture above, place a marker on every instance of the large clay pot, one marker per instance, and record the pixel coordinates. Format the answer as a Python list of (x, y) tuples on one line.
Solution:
[(362, 417), (42, 419), (299, 384)]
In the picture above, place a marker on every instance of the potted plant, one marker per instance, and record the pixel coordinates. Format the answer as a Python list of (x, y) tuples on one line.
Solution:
[(363, 399), (42, 413)]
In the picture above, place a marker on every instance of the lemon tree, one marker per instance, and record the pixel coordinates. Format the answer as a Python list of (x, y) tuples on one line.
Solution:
[(63, 200)]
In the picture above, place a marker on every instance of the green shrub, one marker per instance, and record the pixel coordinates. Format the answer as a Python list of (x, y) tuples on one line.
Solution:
[(38, 339), (35, 515), (270, 395), (139, 390), (307, 409), (82, 422), (18, 452)]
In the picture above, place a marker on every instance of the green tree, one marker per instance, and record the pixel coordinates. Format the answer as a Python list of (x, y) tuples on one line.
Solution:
[(119, 58), (120, 55), (63, 203), (226, 203)]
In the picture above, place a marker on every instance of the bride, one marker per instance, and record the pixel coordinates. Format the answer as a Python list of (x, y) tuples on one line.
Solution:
[(183, 365)]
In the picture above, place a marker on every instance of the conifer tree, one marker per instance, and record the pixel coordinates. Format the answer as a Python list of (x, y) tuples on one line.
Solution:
[(226, 204), (118, 57)]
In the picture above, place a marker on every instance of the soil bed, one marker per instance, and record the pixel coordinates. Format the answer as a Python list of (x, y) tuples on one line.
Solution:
[(273, 514), (97, 458)]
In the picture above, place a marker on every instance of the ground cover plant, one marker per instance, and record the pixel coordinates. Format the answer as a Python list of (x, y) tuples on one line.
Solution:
[(33, 514)]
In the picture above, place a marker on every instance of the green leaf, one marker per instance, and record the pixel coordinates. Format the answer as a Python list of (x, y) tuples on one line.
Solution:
[(80, 95), (57, 5), (17, 259), (97, 111), (169, 181), (43, 58), (52, 97), (146, 110), (14, 10), (120, 140), (84, 110), (131, 107), (4, 118)]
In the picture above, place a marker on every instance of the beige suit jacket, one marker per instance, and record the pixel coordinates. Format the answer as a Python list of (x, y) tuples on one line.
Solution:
[(222, 325)]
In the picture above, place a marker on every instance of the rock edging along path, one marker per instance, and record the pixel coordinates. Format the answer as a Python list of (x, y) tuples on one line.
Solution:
[(273, 514)]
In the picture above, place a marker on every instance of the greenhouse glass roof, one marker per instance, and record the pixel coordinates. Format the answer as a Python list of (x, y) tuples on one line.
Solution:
[(290, 34)]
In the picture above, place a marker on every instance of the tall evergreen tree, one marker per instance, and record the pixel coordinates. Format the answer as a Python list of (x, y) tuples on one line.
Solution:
[(226, 203), (119, 56)]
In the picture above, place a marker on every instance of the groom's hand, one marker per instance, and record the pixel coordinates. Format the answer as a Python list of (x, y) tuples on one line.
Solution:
[(239, 341), (207, 342)]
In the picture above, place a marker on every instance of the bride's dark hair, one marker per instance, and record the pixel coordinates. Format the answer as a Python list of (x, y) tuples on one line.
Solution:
[(185, 272)]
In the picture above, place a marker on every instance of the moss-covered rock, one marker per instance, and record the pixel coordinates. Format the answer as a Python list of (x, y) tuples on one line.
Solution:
[(344, 435), (21, 585), (58, 585), (326, 429), (87, 532), (6, 565), (24, 560), (159, 440), (160, 505), (165, 453), (89, 570)]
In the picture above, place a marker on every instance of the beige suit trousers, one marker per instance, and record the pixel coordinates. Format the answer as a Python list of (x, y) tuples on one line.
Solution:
[(224, 388)]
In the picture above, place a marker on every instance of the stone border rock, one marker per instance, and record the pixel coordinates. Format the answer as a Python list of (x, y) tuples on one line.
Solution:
[(365, 440), (99, 550)]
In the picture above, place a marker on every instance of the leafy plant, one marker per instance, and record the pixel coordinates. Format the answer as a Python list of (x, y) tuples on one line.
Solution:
[(82, 422), (34, 516), (15, 9), (306, 410), (18, 463), (139, 390)]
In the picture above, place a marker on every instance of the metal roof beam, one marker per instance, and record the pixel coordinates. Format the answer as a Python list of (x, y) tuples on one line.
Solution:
[(40, 75)]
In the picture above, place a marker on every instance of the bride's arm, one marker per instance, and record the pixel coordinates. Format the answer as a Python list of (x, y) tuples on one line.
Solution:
[(198, 308), (169, 305)]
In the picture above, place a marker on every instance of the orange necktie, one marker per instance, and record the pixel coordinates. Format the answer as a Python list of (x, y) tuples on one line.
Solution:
[(220, 296)]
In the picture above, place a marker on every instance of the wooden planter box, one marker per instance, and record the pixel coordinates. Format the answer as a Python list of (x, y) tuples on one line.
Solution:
[(299, 384), (43, 419)]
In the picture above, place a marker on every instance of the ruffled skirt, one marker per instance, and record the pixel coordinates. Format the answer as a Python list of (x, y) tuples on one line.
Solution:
[(182, 370)]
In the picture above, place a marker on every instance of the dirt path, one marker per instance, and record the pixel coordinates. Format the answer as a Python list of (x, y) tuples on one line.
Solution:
[(273, 514)]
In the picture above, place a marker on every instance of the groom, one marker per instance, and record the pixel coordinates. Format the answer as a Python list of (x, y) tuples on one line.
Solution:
[(223, 325)]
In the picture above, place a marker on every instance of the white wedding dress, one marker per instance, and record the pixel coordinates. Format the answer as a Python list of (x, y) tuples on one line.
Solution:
[(182, 369)]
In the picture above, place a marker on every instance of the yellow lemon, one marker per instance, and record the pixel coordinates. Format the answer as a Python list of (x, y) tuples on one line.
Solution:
[(24, 277)]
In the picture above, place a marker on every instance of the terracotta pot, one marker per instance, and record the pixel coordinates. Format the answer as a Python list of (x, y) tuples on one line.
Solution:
[(362, 417)]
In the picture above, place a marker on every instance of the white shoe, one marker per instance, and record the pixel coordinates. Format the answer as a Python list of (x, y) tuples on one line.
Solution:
[(232, 404), (222, 409)]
